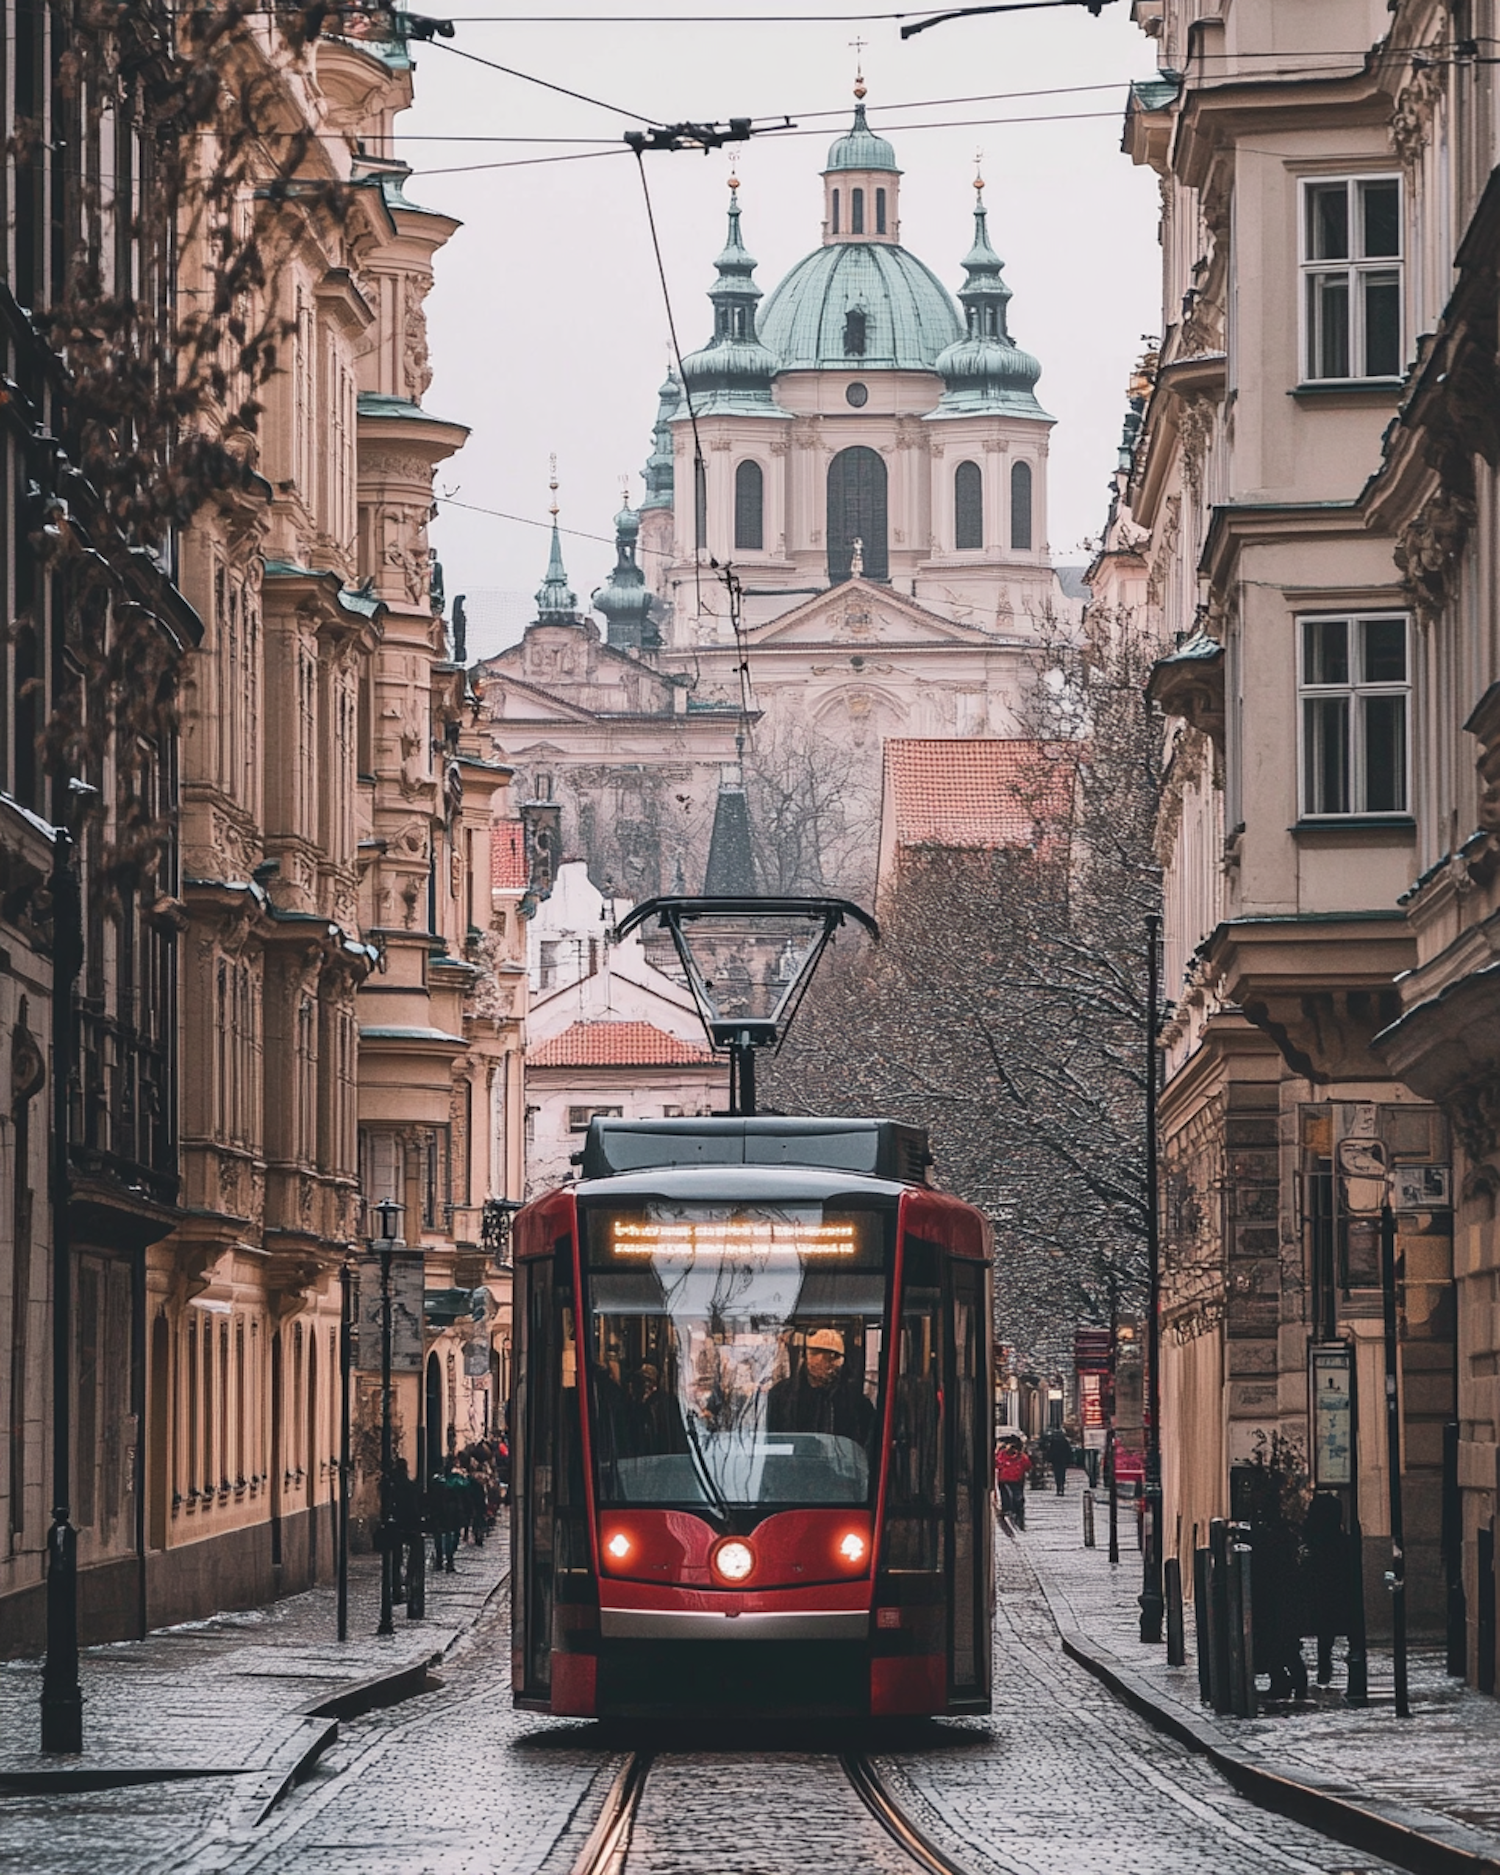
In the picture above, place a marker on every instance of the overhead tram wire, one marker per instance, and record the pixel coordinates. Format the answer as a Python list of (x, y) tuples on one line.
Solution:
[(546, 84)]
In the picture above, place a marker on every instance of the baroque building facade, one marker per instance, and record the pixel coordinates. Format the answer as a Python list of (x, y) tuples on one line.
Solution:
[(1301, 511), (869, 460), (339, 970)]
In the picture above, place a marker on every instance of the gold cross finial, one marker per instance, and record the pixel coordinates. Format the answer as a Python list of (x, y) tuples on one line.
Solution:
[(624, 491), (552, 483), (857, 47), (978, 169)]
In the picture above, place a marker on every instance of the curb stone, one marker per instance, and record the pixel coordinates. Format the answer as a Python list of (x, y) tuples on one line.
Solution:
[(1414, 1839)]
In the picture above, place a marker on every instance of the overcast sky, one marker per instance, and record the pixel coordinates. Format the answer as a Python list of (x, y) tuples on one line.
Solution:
[(547, 326)]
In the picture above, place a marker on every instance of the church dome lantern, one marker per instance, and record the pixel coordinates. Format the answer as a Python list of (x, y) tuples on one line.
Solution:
[(624, 599)]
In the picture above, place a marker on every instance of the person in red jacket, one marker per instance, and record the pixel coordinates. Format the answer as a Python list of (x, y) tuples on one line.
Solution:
[(1012, 1466)]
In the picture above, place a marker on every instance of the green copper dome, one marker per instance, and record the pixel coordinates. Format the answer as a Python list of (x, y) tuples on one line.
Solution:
[(623, 599), (732, 373), (860, 148), (908, 316), (659, 464), (985, 370), (556, 603)]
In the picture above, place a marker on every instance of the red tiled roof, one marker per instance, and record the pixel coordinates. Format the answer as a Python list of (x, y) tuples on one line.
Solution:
[(508, 856), (617, 1045), (979, 793)]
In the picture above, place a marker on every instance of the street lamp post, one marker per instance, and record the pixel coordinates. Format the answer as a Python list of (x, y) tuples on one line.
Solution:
[(385, 1245), (62, 1696), (346, 1336), (1152, 1598)]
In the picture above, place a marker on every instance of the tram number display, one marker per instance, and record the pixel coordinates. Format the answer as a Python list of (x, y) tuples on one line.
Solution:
[(661, 1234)]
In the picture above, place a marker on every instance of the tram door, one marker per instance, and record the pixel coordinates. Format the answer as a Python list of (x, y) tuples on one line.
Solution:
[(969, 1631)]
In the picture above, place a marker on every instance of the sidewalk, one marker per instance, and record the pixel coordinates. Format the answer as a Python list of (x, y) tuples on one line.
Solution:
[(1424, 1792), (255, 1694)]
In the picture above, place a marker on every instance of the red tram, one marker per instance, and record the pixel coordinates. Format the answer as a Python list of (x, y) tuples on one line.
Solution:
[(752, 1427)]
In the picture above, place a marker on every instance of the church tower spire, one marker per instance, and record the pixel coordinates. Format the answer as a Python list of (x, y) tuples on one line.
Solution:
[(556, 603), (623, 599), (985, 370), (732, 373)]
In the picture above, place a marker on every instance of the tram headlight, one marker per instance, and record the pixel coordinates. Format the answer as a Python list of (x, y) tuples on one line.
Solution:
[(852, 1547), (734, 1560), (618, 1547)]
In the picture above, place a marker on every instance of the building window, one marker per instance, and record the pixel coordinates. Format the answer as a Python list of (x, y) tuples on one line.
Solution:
[(835, 211), (1351, 267), (880, 211), (857, 511), (1020, 506), (856, 211), (749, 504), (1356, 698), (968, 507), (579, 1117), (855, 333)]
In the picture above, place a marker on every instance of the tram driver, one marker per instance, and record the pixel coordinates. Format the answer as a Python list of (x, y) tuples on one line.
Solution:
[(818, 1397)]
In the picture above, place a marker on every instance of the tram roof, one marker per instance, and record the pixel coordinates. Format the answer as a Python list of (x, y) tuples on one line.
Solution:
[(870, 1148), (742, 1184)]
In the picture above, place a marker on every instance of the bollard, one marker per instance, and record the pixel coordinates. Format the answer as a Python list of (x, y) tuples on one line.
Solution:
[(1218, 1613), (1242, 1631), (1088, 1520), (1176, 1640), (1201, 1622), (1140, 1508), (416, 1576)]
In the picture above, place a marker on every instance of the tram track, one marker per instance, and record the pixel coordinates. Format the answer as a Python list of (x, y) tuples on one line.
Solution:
[(606, 1850)]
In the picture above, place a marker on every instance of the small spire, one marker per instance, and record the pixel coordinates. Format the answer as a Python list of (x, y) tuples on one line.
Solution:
[(857, 47), (556, 603)]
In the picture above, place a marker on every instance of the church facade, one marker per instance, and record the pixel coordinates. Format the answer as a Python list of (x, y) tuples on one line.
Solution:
[(843, 539)]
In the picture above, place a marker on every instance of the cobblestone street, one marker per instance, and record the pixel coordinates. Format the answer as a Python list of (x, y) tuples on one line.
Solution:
[(1062, 1780)]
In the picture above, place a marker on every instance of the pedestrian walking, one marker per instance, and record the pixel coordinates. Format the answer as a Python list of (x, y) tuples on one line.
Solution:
[(1325, 1570), (1059, 1450), (1012, 1467)]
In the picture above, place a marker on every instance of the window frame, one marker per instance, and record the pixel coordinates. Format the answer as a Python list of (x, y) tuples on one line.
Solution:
[(1354, 688), (1353, 266), (960, 544), (742, 543)]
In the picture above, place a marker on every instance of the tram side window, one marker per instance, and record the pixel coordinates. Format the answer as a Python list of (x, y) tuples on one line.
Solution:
[(917, 1483)]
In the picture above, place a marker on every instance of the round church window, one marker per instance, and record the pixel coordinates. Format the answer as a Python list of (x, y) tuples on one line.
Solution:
[(858, 395)]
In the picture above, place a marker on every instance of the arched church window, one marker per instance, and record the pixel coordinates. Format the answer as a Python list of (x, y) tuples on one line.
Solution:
[(880, 211), (1020, 506), (968, 506), (855, 333), (835, 211), (749, 506), (857, 511), (856, 211)]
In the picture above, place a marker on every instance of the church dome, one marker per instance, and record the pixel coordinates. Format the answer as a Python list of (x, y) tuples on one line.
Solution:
[(860, 148), (985, 372), (908, 315)]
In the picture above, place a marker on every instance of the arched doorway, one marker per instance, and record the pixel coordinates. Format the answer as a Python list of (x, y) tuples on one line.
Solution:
[(857, 511)]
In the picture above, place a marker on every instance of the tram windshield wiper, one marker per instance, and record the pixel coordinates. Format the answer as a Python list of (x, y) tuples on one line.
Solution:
[(704, 1470)]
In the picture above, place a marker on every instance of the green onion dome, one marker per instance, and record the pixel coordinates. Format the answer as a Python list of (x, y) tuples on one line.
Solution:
[(623, 599), (733, 372), (859, 147), (985, 371)]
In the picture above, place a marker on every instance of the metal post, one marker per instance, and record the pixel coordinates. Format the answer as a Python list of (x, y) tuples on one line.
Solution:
[(1088, 1519), (1357, 1683), (1241, 1632), (1202, 1623), (387, 1522), (1453, 1556), (62, 1696), (1114, 1496), (1176, 1640), (346, 1337), (1396, 1579), (745, 1057), (1153, 1604), (1218, 1614)]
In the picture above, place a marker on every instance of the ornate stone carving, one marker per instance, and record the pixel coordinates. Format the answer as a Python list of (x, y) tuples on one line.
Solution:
[(1411, 120), (1195, 427), (1428, 550), (416, 366)]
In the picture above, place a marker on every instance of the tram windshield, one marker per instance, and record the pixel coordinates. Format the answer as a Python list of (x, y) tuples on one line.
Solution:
[(735, 1354)]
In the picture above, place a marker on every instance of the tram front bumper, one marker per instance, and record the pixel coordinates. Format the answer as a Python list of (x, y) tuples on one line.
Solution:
[(682, 1624)]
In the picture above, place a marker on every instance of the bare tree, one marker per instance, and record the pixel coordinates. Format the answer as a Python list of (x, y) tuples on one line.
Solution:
[(814, 811), (1006, 1007)]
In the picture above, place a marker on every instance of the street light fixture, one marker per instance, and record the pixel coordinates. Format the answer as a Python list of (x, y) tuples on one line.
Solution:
[(388, 1214)]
